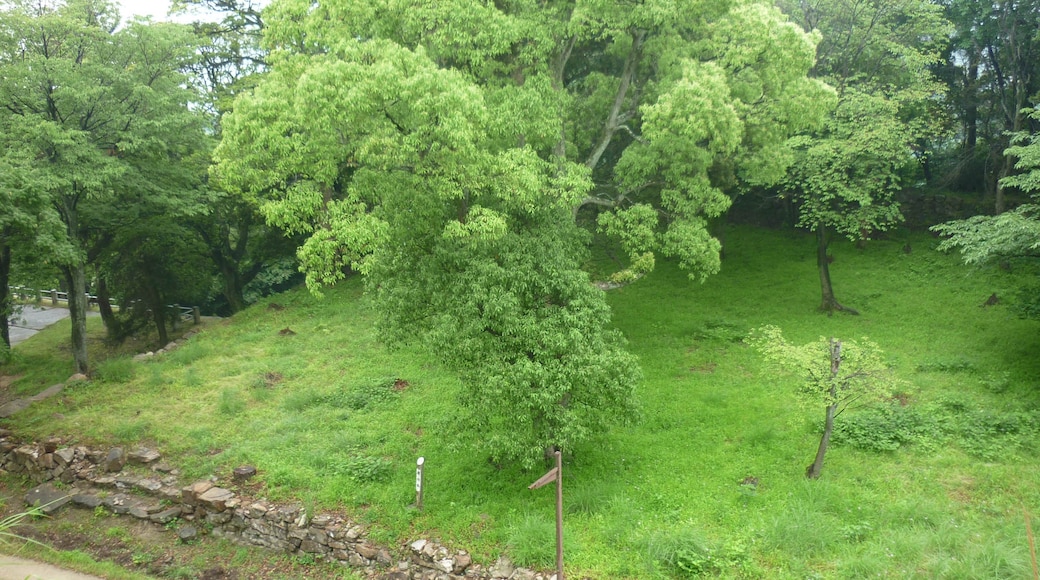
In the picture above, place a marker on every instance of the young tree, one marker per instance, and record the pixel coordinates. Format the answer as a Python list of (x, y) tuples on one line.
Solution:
[(877, 54), (834, 374), (102, 112)]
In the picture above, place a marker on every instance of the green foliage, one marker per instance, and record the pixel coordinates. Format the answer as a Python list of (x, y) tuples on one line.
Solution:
[(863, 374), (684, 553), (984, 433), (96, 125)]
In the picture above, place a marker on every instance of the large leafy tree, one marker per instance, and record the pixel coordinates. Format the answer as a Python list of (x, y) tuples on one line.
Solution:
[(445, 149), (993, 70), (102, 112), (878, 55)]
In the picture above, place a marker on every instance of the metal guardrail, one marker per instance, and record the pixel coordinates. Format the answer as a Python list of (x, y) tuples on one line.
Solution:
[(184, 313)]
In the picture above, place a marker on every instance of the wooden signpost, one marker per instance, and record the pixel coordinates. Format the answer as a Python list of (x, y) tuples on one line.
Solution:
[(555, 474)]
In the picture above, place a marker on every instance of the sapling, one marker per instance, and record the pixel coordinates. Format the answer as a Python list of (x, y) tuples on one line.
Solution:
[(835, 375)]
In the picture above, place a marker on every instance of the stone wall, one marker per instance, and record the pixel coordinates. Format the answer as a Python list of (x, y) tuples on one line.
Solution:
[(137, 484)]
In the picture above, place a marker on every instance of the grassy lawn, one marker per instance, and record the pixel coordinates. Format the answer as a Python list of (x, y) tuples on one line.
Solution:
[(709, 480)]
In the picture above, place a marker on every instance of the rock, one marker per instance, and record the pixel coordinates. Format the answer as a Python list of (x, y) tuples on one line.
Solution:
[(503, 568), (46, 461), (77, 377), (216, 498), (166, 516), (64, 456), (115, 460), (320, 521), (462, 561), (48, 498), (143, 356), (446, 565), (86, 500), (149, 485), (243, 472), (523, 574), (187, 533), (190, 494), (51, 445), (143, 455), (139, 512), (367, 550), (418, 545)]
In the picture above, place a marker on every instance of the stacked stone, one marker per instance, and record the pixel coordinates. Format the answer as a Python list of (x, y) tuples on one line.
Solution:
[(93, 478)]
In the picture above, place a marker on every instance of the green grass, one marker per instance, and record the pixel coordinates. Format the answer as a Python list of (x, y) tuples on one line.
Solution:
[(322, 415)]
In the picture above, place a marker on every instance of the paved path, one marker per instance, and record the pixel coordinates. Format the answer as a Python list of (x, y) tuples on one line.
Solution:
[(14, 568), (33, 319)]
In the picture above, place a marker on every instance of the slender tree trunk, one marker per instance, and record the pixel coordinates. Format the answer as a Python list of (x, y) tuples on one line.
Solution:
[(76, 279), (829, 304), (5, 295), (814, 470), (108, 316)]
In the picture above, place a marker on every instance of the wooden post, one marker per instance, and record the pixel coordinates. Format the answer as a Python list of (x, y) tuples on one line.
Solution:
[(54, 297), (555, 474), (559, 516), (419, 482), (196, 316)]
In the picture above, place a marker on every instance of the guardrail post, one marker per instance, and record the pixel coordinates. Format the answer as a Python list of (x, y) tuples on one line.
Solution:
[(196, 316), (54, 297)]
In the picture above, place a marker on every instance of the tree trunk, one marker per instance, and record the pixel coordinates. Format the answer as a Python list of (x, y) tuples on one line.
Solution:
[(233, 286), (814, 470), (76, 279), (108, 316), (829, 304), (5, 296)]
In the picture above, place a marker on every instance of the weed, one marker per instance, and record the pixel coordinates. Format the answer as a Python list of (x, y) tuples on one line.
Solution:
[(127, 432), (532, 541), (365, 469)]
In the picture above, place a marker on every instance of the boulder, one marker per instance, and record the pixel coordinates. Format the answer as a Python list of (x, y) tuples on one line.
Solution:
[(115, 460), (48, 498)]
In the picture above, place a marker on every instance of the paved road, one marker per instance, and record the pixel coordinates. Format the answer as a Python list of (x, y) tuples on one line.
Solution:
[(14, 568), (33, 319)]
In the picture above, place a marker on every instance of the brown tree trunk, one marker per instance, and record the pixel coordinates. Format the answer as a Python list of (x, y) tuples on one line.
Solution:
[(829, 303), (814, 470), (76, 279), (108, 316), (5, 296)]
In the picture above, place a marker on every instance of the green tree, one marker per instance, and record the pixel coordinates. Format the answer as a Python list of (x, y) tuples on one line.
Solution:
[(444, 150), (878, 54), (1012, 234), (992, 61), (102, 112), (834, 374)]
